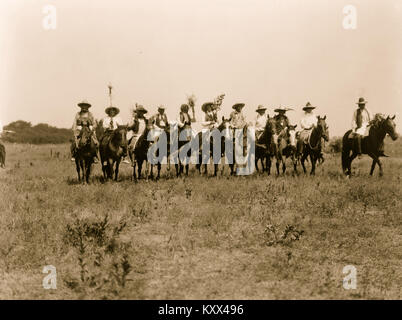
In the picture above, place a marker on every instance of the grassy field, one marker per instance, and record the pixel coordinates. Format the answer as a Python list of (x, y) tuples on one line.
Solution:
[(253, 237)]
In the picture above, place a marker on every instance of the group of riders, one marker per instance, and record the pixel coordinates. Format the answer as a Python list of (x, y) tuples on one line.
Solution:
[(139, 121)]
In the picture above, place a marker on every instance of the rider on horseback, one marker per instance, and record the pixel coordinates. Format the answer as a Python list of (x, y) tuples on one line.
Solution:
[(360, 124), (281, 123), (161, 121), (308, 122), (237, 120), (137, 126), (260, 121), (111, 122), (83, 117), (210, 119)]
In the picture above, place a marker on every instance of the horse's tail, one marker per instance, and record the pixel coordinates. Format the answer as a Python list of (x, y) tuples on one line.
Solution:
[(345, 151)]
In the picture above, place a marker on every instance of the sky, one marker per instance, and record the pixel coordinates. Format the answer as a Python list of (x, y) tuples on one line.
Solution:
[(269, 52)]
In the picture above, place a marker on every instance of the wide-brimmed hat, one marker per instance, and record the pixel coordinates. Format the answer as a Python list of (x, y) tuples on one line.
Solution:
[(281, 109), (261, 108), (161, 107), (205, 106), (108, 109), (140, 109), (238, 105), (184, 106), (84, 104), (308, 107), (362, 101)]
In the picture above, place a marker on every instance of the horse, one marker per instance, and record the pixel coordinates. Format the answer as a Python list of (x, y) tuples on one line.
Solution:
[(2, 156), (224, 125), (113, 147), (312, 147), (179, 166), (372, 145), (140, 153), (264, 146), (287, 148), (85, 153)]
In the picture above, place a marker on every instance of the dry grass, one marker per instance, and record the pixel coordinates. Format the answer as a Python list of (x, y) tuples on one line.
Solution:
[(253, 237)]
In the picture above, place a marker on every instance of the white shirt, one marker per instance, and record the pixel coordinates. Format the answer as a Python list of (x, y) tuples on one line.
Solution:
[(308, 121), (260, 122), (366, 117), (116, 122)]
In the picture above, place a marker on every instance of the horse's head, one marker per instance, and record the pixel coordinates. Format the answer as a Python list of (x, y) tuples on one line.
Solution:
[(292, 134), (119, 137), (323, 127), (270, 126), (85, 135), (389, 127)]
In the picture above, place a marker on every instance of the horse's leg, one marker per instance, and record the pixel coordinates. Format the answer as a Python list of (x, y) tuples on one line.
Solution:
[(88, 169), (283, 166), (110, 168), (177, 170), (268, 164), (303, 158), (159, 171), (373, 167), (351, 158), (77, 164), (187, 166), (116, 172), (215, 169), (206, 169), (313, 160), (139, 168), (256, 165)]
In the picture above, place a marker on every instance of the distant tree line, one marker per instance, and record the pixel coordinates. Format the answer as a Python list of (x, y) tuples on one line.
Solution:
[(42, 133)]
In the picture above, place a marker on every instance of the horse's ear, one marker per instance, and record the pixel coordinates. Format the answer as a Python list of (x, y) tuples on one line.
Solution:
[(295, 126), (223, 118), (318, 117), (325, 117), (393, 117)]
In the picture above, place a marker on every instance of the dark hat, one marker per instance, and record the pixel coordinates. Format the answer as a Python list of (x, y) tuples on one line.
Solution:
[(308, 106), (261, 108), (183, 107), (238, 105), (362, 101), (108, 109), (281, 109), (206, 105), (84, 104), (140, 109)]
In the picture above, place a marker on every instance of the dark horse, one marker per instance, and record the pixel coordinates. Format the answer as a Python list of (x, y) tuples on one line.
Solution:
[(372, 145), (2, 156), (85, 153), (312, 147), (264, 147), (113, 147), (224, 125), (287, 148), (140, 153)]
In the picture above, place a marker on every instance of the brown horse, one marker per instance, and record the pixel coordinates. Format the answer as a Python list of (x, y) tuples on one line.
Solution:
[(224, 125), (139, 154), (372, 145), (113, 147), (264, 147), (2, 156), (287, 148), (312, 147), (85, 153)]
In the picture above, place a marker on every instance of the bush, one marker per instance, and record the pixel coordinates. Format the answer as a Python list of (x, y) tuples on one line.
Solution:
[(41, 133)]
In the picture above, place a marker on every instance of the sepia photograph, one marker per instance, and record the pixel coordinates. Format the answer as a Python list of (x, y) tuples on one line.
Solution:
[(200, 150)]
